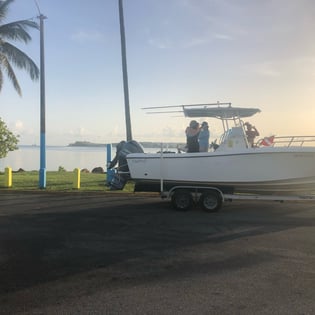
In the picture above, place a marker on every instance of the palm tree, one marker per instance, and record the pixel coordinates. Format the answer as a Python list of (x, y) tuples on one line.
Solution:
[(10, 55)]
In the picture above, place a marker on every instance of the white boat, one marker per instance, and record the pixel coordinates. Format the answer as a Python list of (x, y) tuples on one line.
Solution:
[(285, 167)]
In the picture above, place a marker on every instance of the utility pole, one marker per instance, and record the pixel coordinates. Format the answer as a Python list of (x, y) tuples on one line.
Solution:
[(124, 69), (42, 171)]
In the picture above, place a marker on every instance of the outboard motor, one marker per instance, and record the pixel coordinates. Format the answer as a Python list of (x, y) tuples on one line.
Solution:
[(122, 171)]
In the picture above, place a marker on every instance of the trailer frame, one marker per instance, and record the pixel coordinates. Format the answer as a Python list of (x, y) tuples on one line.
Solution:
[(211, 199)]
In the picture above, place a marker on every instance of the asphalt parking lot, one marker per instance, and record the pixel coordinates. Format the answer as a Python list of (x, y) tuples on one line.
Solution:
[(75, 253)]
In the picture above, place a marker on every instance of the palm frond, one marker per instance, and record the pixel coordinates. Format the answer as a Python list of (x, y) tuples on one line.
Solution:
[(5, 64), (4, 7), (17, 30), (10, 55), (20, 59), (1, 79)]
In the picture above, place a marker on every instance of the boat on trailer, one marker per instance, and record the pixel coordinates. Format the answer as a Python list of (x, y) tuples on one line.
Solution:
[(277, 168)]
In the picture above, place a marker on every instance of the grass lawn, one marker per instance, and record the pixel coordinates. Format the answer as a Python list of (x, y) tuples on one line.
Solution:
[(59, 181)]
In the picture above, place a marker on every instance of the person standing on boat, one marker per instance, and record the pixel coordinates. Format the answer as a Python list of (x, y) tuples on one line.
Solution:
[(192, 133), (251, 133), (203, 137)]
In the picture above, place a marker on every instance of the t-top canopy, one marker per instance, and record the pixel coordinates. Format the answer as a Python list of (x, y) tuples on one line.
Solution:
[(216, 110), (220, 112)]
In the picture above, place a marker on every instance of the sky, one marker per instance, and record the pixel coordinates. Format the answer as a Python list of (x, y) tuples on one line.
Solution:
[(251, 53)]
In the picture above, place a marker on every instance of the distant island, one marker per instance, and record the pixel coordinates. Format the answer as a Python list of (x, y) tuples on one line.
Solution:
[(86, 144), (144, 144)]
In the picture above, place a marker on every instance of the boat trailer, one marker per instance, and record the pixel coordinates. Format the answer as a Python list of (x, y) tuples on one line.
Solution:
[(211, 199)]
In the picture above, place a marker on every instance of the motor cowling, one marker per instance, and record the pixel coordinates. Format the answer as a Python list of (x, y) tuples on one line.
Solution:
[(121, 175)]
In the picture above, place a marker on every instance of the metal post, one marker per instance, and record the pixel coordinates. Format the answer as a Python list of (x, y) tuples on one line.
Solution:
[(110, 172), (42, 171), (8, 177), (124, 69)]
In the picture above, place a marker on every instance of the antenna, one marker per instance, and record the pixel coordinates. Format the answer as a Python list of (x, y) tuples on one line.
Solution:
[(36, 3)]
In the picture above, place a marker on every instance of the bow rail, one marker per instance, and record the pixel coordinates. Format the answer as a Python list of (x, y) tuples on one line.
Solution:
[(286, 141)]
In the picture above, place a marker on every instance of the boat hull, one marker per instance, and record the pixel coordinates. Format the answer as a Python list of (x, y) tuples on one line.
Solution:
[(287, 171)]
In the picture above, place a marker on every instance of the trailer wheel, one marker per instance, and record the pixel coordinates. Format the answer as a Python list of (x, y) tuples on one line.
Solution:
[(210, 201), (182, 200)]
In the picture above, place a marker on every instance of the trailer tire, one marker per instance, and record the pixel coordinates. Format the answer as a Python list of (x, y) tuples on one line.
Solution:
[(211, 201), (182, 200)]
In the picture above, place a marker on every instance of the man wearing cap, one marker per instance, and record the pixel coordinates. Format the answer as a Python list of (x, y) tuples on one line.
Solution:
[(251, 133), (192, 133)]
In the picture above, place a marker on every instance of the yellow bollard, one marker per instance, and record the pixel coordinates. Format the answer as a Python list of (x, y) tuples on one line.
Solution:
[(8, 177), (76, 178)]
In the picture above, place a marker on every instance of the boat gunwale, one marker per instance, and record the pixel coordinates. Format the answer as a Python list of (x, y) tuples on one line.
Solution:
[(266, 150)]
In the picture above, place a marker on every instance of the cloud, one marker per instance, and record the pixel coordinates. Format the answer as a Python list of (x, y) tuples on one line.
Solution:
[(305, 65), (223, 36), (196, 42), (264, 69), (19, 126), (301, 66), (25, 132), (183, 43), (79, 132), (159, 43), (86, 36)]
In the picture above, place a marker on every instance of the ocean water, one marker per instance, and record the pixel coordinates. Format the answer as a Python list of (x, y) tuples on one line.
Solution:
[(28, 158)]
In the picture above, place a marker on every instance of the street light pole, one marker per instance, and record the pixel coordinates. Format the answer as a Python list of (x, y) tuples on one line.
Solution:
[(124, 69), (42, 171)]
